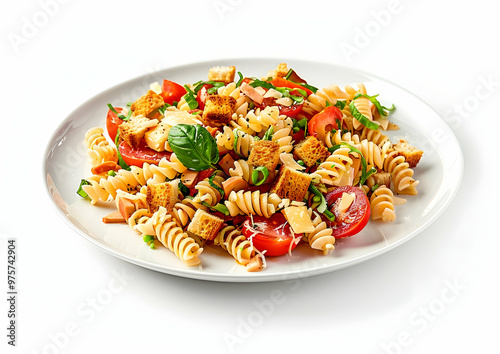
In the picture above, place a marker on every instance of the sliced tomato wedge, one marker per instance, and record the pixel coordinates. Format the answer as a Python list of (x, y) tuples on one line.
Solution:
[(112, 122), (171, 91), (272, 235), (355, 218), (325, 121), (202, 95), (137, 157), (289, 111)]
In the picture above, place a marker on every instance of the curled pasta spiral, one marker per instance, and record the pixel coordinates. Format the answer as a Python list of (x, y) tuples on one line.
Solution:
[(252, 203), (184, 210), (170, 234), (321, 238), (207, 193), (236, 244), (281, 134), (165, 169), (382, 204), (139, 217), (256, 121), (401, 174), (105, 188), (363, 105), (335, 166), (373, 154), (337, 138), (316, 102), (99, 148), (229, 90), (225, 141), (373, 135)]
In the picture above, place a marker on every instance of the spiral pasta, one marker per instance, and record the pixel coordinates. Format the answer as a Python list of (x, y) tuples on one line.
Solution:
[(401, 173), (105, 188), (99, 149), (225, 141), (150, 173), (236, 244), (335, 166), (184, 210), (373, 135), (208, 193), (252, 203), (282, 134), (316, 102), (170, 234), (363, 105), (257, 120), (321, 238), (382, 204)]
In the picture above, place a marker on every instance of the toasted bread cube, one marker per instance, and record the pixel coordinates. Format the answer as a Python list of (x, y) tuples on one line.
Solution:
[(382, 179), (311, 150), (291, 184), (133, 131), (162, 195), (219, 109), (156, 138), (222, 73), (148, 104), (411, 154), (265, 153), (280, 71), (205, 225)]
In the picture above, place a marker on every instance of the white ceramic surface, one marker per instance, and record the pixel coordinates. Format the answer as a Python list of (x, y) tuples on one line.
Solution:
[(439, 172)]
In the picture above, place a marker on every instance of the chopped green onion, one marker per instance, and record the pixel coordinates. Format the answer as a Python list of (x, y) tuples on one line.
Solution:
[(316, 199), (269, 133), (329, 215), (290, 72), (80, 190), (255, 175), (238, 84), (374, 188)]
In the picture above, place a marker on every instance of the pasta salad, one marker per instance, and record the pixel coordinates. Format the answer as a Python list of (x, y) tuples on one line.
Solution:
[(252, 165)]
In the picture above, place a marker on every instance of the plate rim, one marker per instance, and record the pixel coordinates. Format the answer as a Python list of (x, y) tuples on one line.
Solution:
[(260, 276)]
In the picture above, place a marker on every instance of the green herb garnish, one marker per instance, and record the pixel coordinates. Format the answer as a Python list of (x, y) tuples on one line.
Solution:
[(361, 118), (119, 115), (213, 185), (190, 98), (80, 190), (255, 175), (268, 135), (238, 84), (121, 162), (364, 172), (194, 146)]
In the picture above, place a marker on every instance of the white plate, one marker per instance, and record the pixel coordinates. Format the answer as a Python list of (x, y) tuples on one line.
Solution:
[(439, 173)]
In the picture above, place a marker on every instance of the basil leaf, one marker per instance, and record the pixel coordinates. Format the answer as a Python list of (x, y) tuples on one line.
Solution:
[(340, 104), (238, 84), (119, 115), (121, 162), (194, 146), (381, 109), (361, 118), (310, 87), (213, 185), (265, 84), (80, 190), (190, 98)]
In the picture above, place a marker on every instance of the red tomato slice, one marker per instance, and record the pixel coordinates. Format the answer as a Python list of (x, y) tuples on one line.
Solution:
[(112, 122), (137, 157), (356, 216), (202, 95), (324, 121), (282, 82), (289, 111), (272, 235), (171, 92)]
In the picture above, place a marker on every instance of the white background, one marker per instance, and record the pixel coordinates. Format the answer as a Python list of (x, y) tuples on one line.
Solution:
[(436, 293)]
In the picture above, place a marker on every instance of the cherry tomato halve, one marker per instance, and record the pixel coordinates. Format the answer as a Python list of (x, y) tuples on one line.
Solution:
[(289, 111), (172, 92), (355, 218), (282, 82), (272, 235), (202, 95), (325, 121), (137, 157), (112, 122)]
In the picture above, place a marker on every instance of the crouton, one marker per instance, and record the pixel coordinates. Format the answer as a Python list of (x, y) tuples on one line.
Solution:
[(382, 179), (156, 138), (222, 73), (311, 150), (162, 195), (219, 109), (133, 131), (265, 153), (205, 225), (280, 71), (291, 184), (411, 154), (148, 104)]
